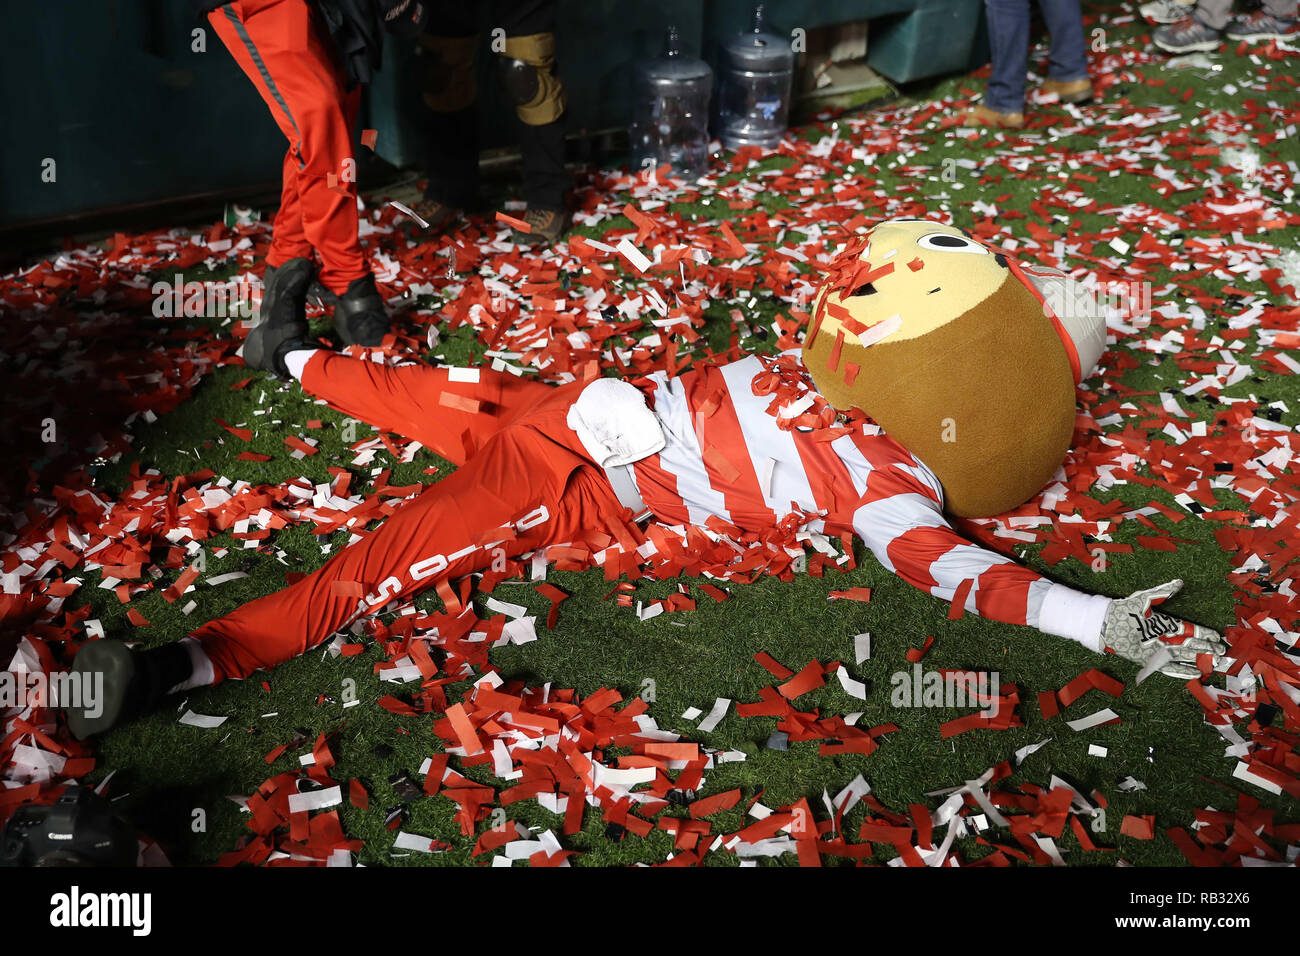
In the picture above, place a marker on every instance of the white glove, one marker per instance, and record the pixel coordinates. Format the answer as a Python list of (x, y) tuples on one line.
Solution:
[(615, 424), (1136, 632)]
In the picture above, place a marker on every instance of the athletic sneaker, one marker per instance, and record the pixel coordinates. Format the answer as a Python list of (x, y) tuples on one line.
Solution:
[(439, 215), (547, 226), (1188, 35), (1069, 91), (981, 115), (1165, 11), (1261, 26)]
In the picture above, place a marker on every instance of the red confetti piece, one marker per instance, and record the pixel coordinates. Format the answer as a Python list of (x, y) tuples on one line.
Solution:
[(243, 434), (957, 607), (1048, 705), (810, 678), (459, 402), (915, 654), (772, 666), (514, 223), (297, 444), (1091, 679), (1139, 828)]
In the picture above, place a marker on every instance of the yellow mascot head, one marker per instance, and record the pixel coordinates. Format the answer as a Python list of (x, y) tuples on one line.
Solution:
[(964, 356)]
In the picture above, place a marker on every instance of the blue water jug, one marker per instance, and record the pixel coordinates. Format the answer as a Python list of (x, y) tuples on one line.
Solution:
[(754, 87)]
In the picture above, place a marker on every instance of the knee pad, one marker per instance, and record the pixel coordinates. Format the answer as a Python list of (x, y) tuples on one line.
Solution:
[(449, 81), (527, 66)]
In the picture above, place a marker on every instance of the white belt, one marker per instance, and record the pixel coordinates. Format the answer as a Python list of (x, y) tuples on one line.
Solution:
[(621, 480)]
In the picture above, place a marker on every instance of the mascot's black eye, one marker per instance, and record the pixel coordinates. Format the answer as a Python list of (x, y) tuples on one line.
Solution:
[(946, 242), (864, 289)]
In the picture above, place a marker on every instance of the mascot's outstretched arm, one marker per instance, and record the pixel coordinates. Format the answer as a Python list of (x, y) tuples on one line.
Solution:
[(901, 521), (900, 518)]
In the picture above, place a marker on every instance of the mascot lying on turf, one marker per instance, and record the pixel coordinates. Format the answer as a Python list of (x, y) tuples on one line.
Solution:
[(943, 341)]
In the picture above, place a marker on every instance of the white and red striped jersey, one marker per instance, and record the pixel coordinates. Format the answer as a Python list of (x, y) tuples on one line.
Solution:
[(726, 456)]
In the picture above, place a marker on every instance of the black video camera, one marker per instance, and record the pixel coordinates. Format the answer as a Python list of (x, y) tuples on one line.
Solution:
[(78, 829)]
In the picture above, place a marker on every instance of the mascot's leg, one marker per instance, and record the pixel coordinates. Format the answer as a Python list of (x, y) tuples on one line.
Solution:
[(521, 492), (518, 494), (451, 411)]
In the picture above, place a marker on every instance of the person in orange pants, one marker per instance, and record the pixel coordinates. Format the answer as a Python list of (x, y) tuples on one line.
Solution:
[(285, 50)]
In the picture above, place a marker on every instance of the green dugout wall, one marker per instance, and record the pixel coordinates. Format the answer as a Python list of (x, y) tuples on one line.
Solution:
[(119, 97)]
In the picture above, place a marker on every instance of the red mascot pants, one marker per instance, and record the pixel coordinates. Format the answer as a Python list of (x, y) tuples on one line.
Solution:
[(285, 50), (522, 479)]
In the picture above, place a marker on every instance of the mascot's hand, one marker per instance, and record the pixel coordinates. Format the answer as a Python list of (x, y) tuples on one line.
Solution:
[(1137, 632)]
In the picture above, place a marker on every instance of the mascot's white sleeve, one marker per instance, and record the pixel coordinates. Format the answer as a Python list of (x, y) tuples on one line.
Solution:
[(901, 520)]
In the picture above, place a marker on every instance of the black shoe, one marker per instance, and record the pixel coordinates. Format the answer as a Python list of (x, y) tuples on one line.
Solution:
[(282, 317), (120, 684), (359, 313)]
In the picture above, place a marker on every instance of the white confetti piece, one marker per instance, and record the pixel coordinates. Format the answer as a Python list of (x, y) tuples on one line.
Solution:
[(502, 607), (881, 330), (1243, 772), (1092, 720), (223, 578), (192, 719), (520, 631), (1028, 749), (315, 799), (716, 713), (633, 255), (861, 647), (410, 213), (854, 688), (645, 613), (412, 841)]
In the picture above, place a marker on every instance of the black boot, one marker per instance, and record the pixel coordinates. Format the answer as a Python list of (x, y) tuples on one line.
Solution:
[(359, 314), (121, 684), (282, 317)]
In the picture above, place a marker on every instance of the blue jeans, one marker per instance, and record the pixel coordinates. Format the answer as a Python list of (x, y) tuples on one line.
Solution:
[(1009, 38)]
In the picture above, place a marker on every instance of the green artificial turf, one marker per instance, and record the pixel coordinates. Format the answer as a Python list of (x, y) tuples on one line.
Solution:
[(165, 771)]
